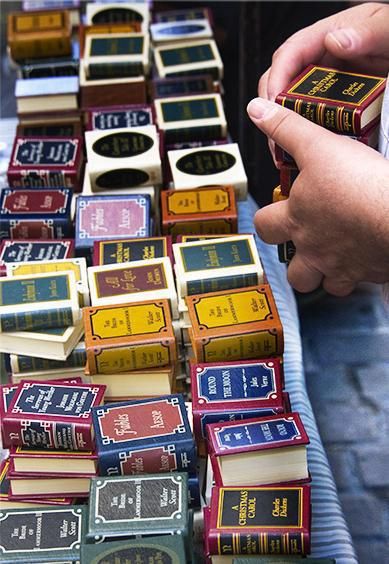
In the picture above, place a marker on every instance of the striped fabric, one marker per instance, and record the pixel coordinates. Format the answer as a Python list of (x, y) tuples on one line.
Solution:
[(330, 535)]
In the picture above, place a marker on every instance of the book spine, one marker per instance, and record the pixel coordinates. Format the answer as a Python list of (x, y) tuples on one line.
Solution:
[(213, 71), (45, 434), (259, 543), (331, 116), (103, 71), (188, 134), (35, 229), (21, 363), (41, 178), (40, 48), (224, 283), (34, 320)]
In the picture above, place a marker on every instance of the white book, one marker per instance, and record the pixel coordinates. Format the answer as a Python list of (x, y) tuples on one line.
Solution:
[(134, 281), (209, 166), (163, 33), (101, 13)]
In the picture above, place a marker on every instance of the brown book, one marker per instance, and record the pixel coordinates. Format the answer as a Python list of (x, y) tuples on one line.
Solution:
[(129, 337), (39, 34), (235, 324)]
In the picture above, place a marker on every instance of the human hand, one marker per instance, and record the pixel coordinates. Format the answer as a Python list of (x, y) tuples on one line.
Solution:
[(356, 38), (337, 213)]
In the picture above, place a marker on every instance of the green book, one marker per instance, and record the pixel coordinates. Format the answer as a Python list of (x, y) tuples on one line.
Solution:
[(44, 535), (128, 506), (169, 549)]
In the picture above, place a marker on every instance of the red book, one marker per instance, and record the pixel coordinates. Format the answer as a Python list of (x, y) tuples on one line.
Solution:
[(264, 450), (341, 101), (127, 250), (261, 520), (52, 416), (46, 162)]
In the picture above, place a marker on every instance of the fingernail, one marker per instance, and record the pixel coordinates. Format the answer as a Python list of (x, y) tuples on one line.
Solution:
[(260, 108), (346, 38)]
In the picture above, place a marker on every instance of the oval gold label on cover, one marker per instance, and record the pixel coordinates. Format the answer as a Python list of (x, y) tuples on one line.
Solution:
[(117, 15), (232, 309), (122, 144), (202, 163), (127, 321), (122, 178)]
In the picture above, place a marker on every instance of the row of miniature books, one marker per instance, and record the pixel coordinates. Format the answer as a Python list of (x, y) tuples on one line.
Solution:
[(346, 103)]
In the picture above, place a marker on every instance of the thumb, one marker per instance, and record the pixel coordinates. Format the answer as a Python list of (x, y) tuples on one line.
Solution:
[(366, 38), (291, 131)]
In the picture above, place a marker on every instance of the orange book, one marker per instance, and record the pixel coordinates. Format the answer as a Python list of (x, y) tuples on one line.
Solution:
[(235, 324), (129, 337), (35, 35)]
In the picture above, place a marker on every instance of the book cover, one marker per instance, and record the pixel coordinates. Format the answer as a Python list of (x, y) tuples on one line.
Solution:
[(135, 115), (129, 337), (39, 34), (262, 520), (123, 507), (26, 363), (209, 166), (133, 282), (128, 250), (50, 67), (39, 535), (168, 32), (143, 436), (111, 217), (167, 548), (189, 57), (29, 251), (112, 12), (204, 210), (52, 416), (221, 264), (239, 324), (116, 55), (191, 118), (75, 265), (184, 14), (185, 85), (7, 503), (46, 162), (261, 433), (341, 101), (39, 301), (123, 158), (35, 462), (34, 213)]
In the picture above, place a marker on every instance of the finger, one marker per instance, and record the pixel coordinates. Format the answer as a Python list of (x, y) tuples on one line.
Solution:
[(272, 223), (302, 275), (262, 85), (293, 132), (293, 56), (368, 37), (337, 287)]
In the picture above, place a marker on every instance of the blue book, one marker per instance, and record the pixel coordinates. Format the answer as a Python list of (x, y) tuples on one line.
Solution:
[(47, 209), (101, 218), (144, 436)]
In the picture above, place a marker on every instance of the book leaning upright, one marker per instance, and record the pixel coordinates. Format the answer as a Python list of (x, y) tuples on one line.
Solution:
[(38, 301)]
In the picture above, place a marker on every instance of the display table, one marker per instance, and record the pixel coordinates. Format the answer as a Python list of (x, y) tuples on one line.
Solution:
[(330, 535)]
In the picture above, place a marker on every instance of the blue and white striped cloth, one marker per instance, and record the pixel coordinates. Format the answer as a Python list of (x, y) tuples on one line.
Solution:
[(330, 534)]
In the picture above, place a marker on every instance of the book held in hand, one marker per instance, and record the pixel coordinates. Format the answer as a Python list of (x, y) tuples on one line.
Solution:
[(260, 451), (344, 102)]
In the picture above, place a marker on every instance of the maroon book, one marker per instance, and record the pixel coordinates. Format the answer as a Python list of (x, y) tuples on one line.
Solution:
[(52, 416), (259, 520), (341, 101), (112, 117), (46, 162)]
